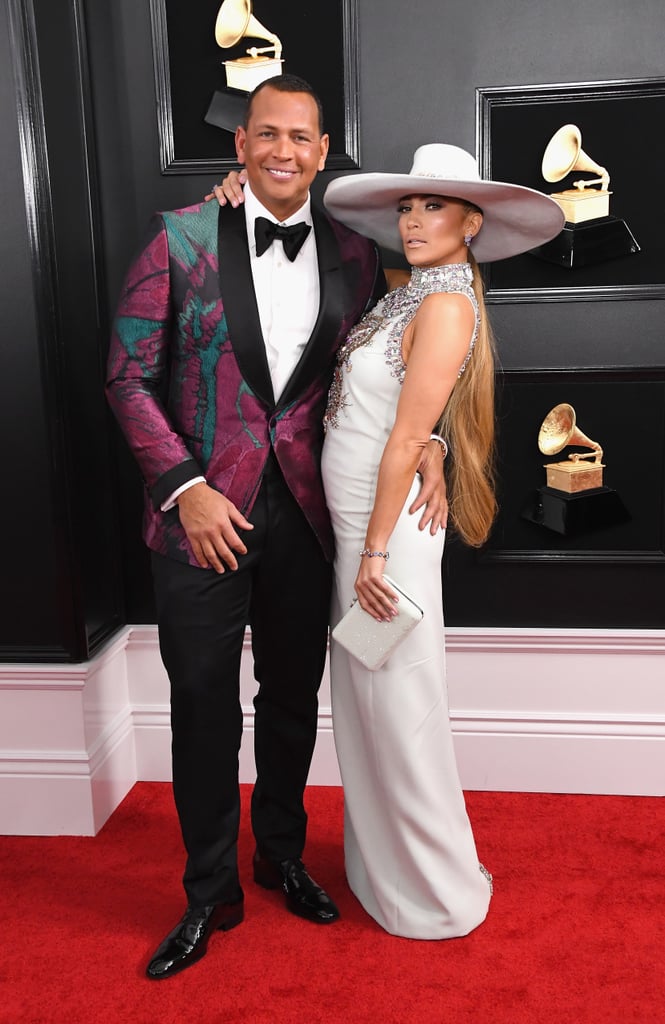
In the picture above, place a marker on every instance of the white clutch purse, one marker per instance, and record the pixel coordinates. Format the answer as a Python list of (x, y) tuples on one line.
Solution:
[(373, 642)]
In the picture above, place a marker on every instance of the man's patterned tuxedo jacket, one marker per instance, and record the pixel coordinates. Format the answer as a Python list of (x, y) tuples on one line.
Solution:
[(188, 376)]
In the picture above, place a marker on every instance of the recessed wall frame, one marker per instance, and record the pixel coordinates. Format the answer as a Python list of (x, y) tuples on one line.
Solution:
[(624, 408), (620, 126), (320, 45)]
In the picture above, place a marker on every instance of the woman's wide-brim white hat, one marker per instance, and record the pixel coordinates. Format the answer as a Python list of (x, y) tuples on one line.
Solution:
[(515, 218)]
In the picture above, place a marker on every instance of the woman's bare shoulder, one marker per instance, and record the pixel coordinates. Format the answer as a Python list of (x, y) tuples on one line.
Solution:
[(450, 305)]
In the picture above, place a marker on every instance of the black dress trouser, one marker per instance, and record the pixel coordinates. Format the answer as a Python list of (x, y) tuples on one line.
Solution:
[(282, 590)]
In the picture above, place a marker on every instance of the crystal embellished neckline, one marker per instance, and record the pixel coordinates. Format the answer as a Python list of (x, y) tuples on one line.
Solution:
[(397, 308), (439, 279)]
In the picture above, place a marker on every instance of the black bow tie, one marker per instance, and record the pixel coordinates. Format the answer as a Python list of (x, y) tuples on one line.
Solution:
[(265, 231)]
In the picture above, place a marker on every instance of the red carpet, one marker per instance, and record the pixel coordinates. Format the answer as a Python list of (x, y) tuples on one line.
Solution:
[(575, 934)]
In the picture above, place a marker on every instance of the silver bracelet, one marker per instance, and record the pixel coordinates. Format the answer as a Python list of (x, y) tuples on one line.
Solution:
[(374, 554), (444, 444)]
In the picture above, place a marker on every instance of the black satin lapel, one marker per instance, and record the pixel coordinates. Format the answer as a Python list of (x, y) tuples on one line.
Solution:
[(316, 357), (239, 301)]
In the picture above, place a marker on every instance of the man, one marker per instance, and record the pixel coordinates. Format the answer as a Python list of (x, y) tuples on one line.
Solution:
[(220, 361)]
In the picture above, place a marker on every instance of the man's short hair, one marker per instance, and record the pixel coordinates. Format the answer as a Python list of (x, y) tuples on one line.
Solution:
[(285, 83)]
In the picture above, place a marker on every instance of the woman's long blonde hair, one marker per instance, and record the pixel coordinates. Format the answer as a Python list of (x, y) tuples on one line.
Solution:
[(468, 424)]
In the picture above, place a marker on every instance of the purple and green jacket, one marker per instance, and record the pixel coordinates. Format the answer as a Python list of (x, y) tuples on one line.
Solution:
[(188, 376)]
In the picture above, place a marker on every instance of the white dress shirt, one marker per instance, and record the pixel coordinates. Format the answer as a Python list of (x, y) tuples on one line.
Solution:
[(287, 296)]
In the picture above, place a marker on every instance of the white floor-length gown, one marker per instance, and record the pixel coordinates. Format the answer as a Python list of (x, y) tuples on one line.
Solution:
[(410, 854)]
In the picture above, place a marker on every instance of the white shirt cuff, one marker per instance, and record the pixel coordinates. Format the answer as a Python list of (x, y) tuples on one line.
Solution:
[(171, 500)]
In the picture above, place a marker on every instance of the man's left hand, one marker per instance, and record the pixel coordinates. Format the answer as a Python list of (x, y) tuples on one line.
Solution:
[(432, 497)]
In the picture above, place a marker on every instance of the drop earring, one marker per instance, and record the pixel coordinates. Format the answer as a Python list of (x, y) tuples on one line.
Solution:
[(468, 239)]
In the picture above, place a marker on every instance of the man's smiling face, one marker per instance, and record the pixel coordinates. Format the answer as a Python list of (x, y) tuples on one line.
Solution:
[(282, 149)]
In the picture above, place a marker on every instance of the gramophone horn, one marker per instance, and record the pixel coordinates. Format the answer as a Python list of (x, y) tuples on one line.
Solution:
[(564, 153), (235, 20), (559, 429)]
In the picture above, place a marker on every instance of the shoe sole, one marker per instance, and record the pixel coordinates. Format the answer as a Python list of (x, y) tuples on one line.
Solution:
[(299, 912), (231, 922)]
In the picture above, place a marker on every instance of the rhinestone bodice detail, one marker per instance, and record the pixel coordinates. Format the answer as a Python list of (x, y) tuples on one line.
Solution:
[(394, 312)]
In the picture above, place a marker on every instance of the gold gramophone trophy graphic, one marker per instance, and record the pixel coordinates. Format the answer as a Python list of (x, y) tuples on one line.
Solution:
[(236, 23), (575, 498), (591, 234), (559, 429)]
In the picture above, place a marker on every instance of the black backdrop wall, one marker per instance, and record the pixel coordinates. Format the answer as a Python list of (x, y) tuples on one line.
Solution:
[(80, 175)]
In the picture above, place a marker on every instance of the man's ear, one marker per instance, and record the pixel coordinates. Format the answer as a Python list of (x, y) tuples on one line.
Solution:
[(325, 144), (240, 138)]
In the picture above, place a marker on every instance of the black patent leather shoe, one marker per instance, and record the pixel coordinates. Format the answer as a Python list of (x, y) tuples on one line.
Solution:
[(188, 941), (303, 896)]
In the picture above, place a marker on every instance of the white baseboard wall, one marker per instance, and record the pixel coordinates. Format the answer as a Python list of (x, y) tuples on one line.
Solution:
[(558, 711)]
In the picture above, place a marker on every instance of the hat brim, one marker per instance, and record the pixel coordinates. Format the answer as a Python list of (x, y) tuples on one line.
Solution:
[(515, 218)]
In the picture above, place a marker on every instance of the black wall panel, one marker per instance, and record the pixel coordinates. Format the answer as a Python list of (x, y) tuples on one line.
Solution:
[(62, 581), (79, 122), (607, 569)]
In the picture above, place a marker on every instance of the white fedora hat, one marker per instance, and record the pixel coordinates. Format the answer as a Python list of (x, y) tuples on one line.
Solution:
[(515, 218)]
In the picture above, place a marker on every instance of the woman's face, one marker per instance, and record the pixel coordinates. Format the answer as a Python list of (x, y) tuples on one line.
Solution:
[(432, 229)]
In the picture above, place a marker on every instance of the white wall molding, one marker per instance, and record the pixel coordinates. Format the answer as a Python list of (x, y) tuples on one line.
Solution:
[(572, 711), (532, 710), (550, 641), (67, 754)]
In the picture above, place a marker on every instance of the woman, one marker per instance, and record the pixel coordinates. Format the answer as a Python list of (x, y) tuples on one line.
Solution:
[(421, 360)]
